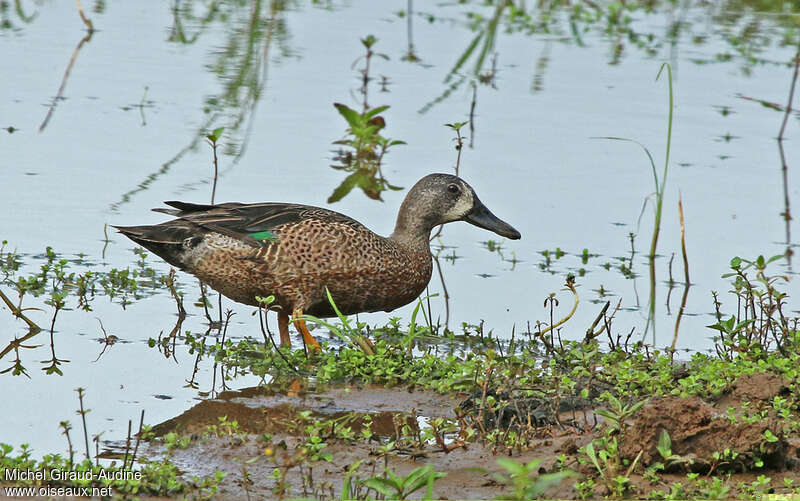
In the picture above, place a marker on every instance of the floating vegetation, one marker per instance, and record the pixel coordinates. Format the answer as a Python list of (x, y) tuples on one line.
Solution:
[(65, 285)]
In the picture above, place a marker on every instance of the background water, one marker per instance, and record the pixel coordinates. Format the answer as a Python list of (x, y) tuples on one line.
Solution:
[(125, 135)]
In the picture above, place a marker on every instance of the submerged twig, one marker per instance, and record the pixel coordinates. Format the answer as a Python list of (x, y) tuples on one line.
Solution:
[(444, 291), (18, 313), (127, 446)]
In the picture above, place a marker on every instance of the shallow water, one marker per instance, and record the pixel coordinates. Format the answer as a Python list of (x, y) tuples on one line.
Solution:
[(119, 142)]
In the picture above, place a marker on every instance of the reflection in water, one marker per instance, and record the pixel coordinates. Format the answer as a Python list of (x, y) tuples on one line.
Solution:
[(60, 93), (62, 287), (17, 368), (108, 340), (410, 55), (787, 215), (485, 39), (5, 17), (223, 367), (241, 67), (141, 105), (739, 24), (542, 63), (687, 281)]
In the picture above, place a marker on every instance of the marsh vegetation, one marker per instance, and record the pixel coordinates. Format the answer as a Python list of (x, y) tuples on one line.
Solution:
[(571, 364)]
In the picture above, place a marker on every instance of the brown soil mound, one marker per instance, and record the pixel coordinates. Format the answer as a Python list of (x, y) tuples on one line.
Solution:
[(697, 433), (759, 386)]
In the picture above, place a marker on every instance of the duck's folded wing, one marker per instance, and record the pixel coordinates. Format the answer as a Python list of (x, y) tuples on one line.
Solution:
[(254, 224)]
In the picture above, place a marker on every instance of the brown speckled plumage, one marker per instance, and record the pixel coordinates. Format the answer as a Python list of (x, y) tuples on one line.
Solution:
[(300, 250)]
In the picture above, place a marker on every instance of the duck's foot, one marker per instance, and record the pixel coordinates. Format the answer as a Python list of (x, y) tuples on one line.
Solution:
[(311, 343)]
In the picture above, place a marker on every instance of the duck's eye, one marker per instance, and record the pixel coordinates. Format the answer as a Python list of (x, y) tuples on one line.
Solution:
[(453, 188)]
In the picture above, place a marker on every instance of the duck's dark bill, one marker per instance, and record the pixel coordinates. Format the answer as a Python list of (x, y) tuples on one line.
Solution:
[(483, 218)]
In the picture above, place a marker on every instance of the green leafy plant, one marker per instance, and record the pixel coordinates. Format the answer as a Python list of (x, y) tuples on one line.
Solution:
[(609, 465), (525, 480), (361, 153), (344, 330), (362, 150), (395, 487), (618, 412), (668, 458)]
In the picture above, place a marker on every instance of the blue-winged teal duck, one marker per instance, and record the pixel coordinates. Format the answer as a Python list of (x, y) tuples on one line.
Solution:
[(295, 251)]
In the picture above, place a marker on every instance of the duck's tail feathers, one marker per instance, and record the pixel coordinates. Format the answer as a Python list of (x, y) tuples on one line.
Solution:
[(170, 243)]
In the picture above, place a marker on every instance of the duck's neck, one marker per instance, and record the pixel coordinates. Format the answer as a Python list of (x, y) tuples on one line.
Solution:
[(414, 233)]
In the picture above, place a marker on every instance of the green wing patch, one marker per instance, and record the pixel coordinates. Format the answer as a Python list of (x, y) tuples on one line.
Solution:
[(264, 235)]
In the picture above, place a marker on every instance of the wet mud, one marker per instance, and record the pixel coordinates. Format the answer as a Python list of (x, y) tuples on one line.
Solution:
[(259, 411), (273, 431)]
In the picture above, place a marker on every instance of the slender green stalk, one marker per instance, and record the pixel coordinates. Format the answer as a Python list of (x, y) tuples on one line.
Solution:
[(660, 184), (659, 204), (83, 413), (660, 189)]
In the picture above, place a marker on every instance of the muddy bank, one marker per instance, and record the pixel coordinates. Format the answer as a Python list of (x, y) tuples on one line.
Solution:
[(273, 446), (260, 412)]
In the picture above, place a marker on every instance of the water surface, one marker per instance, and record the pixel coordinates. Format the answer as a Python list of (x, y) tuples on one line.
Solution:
[(125, 135)]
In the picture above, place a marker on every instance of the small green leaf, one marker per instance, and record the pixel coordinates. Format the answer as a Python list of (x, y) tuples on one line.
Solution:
[(343, 189), (664, 444), (382, 485), (369, 41), (775, 258), (374, 111), (349, 114), (456, 125), (215, 134)]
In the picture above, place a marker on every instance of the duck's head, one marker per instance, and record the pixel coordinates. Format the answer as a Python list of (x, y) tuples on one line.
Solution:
[(443, 198)]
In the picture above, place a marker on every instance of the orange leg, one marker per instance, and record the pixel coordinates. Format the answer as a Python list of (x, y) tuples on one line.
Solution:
[(283, 328), (311, 343)]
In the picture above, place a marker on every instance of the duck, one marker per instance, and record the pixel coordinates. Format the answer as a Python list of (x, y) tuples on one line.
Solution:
[(298, 253)]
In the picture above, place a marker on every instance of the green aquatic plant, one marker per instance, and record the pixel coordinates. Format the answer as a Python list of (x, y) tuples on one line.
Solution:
[(660, 185), (213, 138), (344, 330), (609, 464), (396, 487), (760, 324), (159, 478), (617, 411), (525, 479), (361, 151), (66, 285)]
